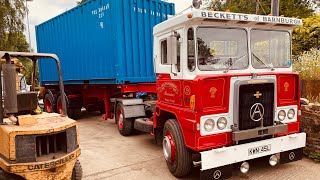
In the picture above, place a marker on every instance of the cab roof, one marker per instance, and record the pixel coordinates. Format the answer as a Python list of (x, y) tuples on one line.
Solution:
[(228, 18)]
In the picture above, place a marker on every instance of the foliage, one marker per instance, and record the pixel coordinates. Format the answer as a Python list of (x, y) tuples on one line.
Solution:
[(288, 8), (315, 156), (307, 36), (308, 65), (12, 13), (14, 41), (313, 99)]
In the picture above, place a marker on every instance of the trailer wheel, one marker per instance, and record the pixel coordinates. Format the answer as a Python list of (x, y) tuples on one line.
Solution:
[(48, 103), (125, 125), (73, 113), (178, 157), (90, 109), (7, 176), (77, 171)]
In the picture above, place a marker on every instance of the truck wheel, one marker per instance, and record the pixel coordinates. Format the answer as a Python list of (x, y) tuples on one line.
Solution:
[(77, 171), (73, 113), (7, 176), (178, 157), (48, 103), (125, 125)]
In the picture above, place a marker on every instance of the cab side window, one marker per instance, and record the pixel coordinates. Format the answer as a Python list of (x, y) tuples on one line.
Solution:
[(164, 59), (178, 56), (191, 50)]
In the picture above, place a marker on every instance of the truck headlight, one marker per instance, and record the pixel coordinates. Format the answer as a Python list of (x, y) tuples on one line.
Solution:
[(291, 113), (209, 125), (281, 115), (222, 123)]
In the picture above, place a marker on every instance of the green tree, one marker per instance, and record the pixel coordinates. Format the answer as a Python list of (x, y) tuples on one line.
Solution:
[(14, 41), (288, 8), (12, 13), (307, 36)]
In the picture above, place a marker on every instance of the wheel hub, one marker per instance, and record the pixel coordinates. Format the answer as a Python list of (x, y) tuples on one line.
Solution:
[(60, 108), (48, 106), (169, 148), (120, 120)]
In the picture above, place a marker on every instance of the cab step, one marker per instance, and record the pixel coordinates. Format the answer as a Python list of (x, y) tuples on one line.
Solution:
[(144, 125)]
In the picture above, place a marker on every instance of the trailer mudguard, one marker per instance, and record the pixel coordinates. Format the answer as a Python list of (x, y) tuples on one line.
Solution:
[(132, 107)]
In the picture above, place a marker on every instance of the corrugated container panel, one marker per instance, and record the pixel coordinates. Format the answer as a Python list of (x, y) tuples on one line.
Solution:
[(102, 41)]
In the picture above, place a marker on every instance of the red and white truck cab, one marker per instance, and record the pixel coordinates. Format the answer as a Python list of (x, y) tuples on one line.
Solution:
[(226, 92)]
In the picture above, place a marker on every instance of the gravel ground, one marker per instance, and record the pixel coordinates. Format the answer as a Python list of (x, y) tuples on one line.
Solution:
[(108, 155)]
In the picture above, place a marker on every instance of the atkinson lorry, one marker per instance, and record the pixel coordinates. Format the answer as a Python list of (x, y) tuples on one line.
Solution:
[(216, 89)]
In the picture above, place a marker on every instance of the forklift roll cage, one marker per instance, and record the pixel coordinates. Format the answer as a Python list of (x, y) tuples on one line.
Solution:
[(34, 58)]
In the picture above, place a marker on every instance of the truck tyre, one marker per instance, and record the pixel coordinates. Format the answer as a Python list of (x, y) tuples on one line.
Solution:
[(178, 157), (7, 176), (73, 113), (77, 171), (125, 125), (48, 102)]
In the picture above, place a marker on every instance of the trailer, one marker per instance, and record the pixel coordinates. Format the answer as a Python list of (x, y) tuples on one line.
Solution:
[(216, 89), (120, 33)]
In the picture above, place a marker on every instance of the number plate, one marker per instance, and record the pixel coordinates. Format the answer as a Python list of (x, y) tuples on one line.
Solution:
[(260, 149)]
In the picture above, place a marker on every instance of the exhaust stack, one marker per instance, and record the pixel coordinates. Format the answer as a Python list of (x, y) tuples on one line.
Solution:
[(10, 88)]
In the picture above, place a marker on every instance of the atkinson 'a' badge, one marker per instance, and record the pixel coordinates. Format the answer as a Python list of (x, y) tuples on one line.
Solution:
[(257, 112), (217, 174)]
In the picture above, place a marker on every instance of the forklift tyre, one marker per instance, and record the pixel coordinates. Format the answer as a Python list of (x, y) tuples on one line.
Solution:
[(7, 176), (178, 157), (125, 125), (77, 171)]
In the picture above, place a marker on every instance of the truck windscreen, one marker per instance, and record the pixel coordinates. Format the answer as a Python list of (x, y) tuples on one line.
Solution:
[(222, 48), (270, 49)]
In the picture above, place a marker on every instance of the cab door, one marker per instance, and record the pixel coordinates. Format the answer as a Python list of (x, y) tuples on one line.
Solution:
[(169, 67)]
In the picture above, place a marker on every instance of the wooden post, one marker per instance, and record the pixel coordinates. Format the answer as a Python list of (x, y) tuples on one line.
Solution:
[(275, 7), (257, 6)]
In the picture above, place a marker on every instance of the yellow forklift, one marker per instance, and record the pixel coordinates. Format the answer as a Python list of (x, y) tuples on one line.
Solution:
[(34, 145)]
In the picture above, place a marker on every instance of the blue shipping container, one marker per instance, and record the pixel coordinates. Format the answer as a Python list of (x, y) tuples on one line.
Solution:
[(102, 42)]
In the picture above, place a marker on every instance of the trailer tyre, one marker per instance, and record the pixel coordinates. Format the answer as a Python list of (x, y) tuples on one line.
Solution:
[(125, 125), (178, 157), (77, 171), (73, 113), (48, 103)]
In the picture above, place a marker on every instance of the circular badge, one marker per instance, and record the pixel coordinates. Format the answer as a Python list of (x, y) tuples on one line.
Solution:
[(187, 90)]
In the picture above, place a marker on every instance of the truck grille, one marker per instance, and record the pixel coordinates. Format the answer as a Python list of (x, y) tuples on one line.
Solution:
[(264, 95)]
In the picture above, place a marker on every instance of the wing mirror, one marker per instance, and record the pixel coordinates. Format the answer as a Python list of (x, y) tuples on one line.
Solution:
[(172, 42)]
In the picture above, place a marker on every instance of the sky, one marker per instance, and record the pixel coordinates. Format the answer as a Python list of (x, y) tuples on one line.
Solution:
[(42, 10)]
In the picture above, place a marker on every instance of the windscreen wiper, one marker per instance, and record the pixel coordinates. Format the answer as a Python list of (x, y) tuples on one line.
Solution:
[(263, 62), (230, 67)]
